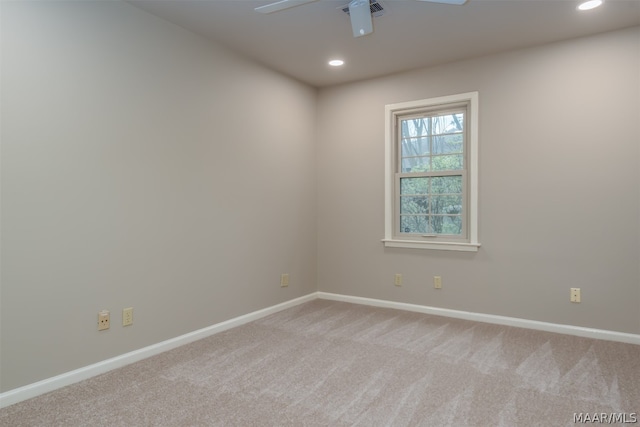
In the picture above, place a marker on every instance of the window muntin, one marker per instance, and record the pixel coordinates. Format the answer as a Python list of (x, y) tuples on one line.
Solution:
[(431, 205), (430, 174), (432, 143)]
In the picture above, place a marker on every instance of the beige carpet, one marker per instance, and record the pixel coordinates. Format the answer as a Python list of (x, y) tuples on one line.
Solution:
[(328, 363)]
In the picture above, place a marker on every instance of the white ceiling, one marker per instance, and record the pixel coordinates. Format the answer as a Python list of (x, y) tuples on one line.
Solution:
[(411, 34)]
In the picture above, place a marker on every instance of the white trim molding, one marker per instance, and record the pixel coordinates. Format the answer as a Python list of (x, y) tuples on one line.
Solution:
[(443, 246), (490, 318)]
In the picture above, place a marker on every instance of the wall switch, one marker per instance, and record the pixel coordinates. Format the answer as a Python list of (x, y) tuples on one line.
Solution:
[(284, 280), (398, 279), (127, 316), (437, 282), (103, 320), (575, 295)]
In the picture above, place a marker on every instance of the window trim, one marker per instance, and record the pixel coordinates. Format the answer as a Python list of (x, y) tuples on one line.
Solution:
[(392, 111)]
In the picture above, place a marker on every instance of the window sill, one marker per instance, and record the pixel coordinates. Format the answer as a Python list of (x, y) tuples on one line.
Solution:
[(441, 246)]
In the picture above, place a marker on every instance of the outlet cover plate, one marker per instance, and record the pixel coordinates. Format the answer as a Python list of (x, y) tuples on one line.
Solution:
[(437, 282), (103, 320), (127, 316), (398, 279), (284, 280)]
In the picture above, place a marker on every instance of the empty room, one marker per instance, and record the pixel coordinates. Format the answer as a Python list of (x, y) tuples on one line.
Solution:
[(319, 213)]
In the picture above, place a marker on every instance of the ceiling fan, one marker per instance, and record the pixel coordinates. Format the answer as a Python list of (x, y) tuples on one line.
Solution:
[(359, 10)]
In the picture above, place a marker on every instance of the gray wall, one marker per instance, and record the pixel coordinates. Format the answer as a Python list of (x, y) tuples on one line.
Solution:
[(141, 167), (558, 176)]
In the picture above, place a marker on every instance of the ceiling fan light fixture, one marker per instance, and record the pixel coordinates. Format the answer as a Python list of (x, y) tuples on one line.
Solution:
[(361, 22), (361, 12), (588, 5)]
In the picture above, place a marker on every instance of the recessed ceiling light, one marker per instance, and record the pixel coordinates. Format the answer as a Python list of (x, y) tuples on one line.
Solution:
[(588, 5), (336, 62)]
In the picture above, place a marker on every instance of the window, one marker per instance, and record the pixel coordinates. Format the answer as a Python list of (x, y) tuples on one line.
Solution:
[(431, 191)]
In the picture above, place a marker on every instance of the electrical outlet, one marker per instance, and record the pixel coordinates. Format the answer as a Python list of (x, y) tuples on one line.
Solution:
[(127, 316), (437, 282), (103, 320), (398, 279), (284, 280), (575, 295)]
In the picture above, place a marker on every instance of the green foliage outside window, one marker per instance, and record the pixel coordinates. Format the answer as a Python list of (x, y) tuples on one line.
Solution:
[(432, 204)]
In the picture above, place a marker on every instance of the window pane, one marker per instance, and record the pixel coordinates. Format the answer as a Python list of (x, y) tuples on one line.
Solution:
[(416, 164), (414, 185), (415, 127), (414, 205), (414, 224), (441, 224), (448, 123), (442, 163), (450, 143), (451, 205), (451, 224), (415, 147), (446, 184)]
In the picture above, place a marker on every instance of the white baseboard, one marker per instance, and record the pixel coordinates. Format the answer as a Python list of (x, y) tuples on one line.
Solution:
[(32, 390), (490, 318)]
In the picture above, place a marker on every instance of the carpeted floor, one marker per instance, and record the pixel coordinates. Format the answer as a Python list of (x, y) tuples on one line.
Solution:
[(326, 363)]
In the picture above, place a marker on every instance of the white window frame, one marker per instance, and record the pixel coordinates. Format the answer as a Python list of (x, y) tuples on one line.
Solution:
[(392, 112)]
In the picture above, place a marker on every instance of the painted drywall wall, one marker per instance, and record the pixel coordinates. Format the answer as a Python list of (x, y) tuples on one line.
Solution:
[(141, 167), (558, 176)]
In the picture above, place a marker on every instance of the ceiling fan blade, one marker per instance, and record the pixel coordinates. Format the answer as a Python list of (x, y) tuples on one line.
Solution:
[(361, 21), (281, 5), (456, 2)]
